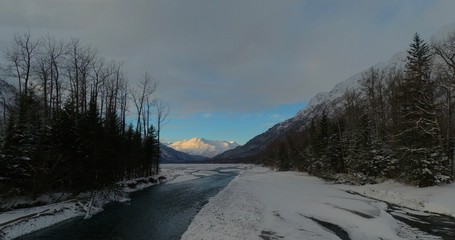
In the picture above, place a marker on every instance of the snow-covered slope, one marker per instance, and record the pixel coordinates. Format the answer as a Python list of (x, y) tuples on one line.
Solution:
[(203, 147), (327, 101), (170, 155)]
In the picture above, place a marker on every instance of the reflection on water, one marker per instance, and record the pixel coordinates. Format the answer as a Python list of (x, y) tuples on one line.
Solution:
[(160, 212)]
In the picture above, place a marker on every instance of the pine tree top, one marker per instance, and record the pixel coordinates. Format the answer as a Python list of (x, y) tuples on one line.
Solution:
[(419, 56)]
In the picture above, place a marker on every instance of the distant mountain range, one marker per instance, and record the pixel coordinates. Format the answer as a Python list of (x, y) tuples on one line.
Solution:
[(203, 147)]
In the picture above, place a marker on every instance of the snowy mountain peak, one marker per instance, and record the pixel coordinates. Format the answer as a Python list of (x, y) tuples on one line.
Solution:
[(170, 155), (203, 147)]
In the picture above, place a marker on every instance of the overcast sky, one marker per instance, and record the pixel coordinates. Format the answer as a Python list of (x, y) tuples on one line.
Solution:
[(231, 69)]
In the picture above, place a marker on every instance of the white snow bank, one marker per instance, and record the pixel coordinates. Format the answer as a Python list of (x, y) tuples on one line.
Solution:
[(204, 173), (19, 222), (262, 204), (16, 202), (183, 178), (191, 175), (229, 170), (138, 184), (187, 172), (437, 199)]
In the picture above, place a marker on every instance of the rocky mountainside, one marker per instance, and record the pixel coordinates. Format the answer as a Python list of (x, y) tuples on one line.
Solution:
[(203, 147), (170, 155), (322, 101)]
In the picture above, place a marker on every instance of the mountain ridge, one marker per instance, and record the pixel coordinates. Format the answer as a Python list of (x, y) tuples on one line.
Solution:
[(318, 103), (203, 147), (170, 155)]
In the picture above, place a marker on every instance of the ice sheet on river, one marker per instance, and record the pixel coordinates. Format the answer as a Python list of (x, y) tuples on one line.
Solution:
[(22, 221), (262, 204), (187, 172)]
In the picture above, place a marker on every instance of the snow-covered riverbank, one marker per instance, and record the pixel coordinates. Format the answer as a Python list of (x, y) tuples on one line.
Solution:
[(437, 199), (18, 222), (262, 204), (21, 221)]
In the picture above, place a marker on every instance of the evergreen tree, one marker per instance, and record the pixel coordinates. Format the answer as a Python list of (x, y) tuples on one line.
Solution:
[(71, 134), (376, 155), (21, 144), (335, 149), (420, 145), (354, 159), (151, 151), (323, 142)]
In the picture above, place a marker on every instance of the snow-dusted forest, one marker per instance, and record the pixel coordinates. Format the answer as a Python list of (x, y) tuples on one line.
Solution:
[(396, 122), (65, 128), (84, 153)]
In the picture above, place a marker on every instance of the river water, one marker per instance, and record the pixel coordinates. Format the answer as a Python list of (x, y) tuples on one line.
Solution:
[(165, 212), (431, 223), (159, 212)]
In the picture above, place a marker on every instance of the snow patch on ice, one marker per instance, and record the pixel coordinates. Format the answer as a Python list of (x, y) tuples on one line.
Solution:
[(187, 172), (262, 204), (229, 170), (204, 173), (183, 178), (216, 221), (436, 199)]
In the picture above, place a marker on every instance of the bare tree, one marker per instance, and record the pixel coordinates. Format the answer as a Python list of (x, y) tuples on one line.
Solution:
[(123, 106), (100, 72), (162, 112), (444, 51), (78, 72), (141, 98), (353, 106), (372, 85), (20, 60), (393, 81), (445, 71), (49, 63), (113, 84)]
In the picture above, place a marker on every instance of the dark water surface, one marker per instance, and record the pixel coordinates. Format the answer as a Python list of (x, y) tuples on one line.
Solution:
[(159, 212), (433, 224), (165, 212)]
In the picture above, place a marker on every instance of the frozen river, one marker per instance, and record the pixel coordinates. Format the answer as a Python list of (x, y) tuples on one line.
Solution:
[(159, 212), (258, 204)]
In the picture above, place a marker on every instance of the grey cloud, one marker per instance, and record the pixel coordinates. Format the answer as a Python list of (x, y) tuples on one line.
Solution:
[(234, 56)]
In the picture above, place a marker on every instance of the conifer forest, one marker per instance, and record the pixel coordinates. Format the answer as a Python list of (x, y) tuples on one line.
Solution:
[(69, 127), (397, 123)]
